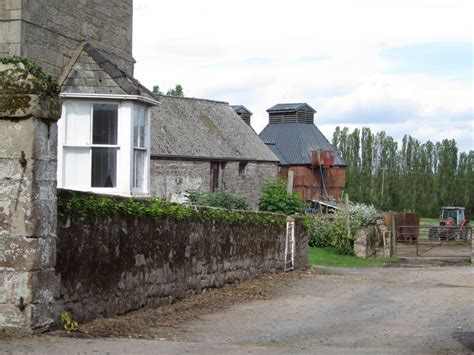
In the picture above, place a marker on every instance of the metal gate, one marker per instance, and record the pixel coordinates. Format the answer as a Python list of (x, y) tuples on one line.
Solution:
[(434, 242), (290, 245)]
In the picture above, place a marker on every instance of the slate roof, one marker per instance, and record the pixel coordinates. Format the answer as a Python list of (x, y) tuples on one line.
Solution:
[(241, 109), (90, 72), (290, 107), (204, 129), (293, 143)]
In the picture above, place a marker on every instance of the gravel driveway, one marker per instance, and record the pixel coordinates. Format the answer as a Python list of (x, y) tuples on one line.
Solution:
[(367, 310)]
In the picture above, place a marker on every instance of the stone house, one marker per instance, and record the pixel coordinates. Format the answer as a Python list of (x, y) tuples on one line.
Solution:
[(205, 145), (103, 143), (318, 169), (114, 135)]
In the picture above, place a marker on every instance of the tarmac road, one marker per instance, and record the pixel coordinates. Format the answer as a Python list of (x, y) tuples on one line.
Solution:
[(394, 310)]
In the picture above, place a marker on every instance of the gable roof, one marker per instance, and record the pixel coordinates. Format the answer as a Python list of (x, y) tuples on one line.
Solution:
[(293, 143), (203, 129), (90, 72), (290, 107), (241, 109)]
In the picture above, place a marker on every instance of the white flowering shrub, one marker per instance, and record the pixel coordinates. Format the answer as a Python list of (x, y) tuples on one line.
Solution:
[(331, 230), (364, 215)]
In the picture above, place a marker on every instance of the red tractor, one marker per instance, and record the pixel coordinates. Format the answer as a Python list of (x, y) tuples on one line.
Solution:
[(453, 225)]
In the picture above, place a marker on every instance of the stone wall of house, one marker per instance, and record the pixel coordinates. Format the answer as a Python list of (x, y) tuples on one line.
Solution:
[(117, 263), (10, 27), (49, 31), (369, 241), (28, 148), (171, 177)]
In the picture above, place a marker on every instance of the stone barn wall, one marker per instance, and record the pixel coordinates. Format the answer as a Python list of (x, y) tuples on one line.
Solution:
[(114, 263), (169, 177)]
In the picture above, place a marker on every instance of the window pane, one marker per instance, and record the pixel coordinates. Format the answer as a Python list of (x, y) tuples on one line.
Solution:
[(76, 170), (104, 167), (78, 123), (138, 168), (104, 130), (142, 128), (136, 122)]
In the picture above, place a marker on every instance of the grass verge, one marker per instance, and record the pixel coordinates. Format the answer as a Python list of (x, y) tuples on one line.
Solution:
[(429, 222), (329, 257)]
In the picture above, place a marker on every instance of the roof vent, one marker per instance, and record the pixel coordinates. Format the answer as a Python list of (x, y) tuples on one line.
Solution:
[(243, 112), (291, 113)]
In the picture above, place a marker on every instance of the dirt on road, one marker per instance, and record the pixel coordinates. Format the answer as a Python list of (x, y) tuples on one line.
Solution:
[(410, 309)]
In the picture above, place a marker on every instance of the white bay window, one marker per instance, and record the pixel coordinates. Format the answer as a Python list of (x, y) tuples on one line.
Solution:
[(139, 147), (103, 147)]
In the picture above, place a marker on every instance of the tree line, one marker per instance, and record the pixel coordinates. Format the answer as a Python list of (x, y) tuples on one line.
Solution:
[(418, 177)]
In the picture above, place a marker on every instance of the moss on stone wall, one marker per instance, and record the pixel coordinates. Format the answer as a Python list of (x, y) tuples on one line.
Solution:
[(20, 78)]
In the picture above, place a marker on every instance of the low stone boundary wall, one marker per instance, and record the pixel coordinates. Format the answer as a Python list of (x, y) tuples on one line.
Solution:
[(111, 264), (373, 241)]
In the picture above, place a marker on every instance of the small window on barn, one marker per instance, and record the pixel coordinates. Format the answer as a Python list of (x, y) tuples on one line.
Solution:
[(242, 166)]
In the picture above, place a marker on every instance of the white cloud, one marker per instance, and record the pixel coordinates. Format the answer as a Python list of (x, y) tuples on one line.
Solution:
[(211, 48)]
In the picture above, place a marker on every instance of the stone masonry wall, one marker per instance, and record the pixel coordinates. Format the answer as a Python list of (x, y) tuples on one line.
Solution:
[(49, 31), (28, 148), (250, 183), (118, 263), (10, 27), (168, 177), (176, 176), (369, 241)]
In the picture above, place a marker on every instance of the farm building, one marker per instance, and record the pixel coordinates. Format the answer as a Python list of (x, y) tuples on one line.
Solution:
[(203, 144), (318, 169)]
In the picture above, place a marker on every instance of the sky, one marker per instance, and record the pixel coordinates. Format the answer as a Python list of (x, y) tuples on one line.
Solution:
[(402, 66)]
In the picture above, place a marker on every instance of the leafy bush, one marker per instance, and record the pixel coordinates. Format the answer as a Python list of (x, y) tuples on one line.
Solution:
[(276, 199), (83, 208), (217, 199), (331, 230)]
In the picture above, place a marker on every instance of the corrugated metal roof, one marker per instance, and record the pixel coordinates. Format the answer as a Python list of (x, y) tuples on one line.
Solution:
[(293, 143), (290, 107)]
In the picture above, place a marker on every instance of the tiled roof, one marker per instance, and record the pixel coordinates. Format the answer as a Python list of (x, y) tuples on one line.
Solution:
[(90, 72), (198, 128), (293, 143)]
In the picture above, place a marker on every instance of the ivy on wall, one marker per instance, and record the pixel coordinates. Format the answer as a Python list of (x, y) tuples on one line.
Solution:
[(21, 77), (78, 208)]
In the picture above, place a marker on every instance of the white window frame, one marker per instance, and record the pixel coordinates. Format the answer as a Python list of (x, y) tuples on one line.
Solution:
[(124, 146), (89, 146), (144, 190)]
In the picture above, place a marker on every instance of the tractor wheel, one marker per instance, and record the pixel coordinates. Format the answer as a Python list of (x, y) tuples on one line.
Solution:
[(433, 233)]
